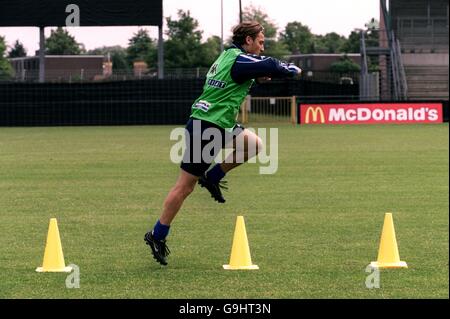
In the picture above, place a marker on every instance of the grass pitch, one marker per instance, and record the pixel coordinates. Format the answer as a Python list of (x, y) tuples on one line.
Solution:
[(313, 227)]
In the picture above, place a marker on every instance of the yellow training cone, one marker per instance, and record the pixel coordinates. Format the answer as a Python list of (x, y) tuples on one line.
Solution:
[(240, 252), (53, 256), (388, 256)]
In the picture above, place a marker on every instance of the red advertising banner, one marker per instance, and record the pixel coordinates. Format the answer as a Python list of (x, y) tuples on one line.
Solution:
[(371, 113)]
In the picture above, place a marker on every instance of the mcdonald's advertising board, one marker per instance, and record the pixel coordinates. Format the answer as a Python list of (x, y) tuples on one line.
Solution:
[(371, 113)]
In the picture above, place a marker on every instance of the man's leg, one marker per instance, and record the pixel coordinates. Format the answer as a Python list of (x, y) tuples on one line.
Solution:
[(183, 188), (246, 145), (156, 238)]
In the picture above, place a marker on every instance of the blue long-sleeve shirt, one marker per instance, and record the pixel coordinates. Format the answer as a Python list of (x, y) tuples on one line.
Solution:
[(250, 66)]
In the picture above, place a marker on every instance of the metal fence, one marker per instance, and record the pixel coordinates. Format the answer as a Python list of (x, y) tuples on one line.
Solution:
[(90, 75), (144, 101), (269, 110)]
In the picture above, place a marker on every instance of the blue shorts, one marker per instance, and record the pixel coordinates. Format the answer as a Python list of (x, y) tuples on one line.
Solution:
[(204, 140)]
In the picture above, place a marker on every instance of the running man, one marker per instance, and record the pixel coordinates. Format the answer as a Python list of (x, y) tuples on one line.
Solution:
[(227, 84)]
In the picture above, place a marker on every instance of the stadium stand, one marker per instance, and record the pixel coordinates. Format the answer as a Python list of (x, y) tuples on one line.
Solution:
[(421, 26)]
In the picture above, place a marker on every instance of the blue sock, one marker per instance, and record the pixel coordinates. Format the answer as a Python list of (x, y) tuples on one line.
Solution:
[(215, 174), (160, 231)]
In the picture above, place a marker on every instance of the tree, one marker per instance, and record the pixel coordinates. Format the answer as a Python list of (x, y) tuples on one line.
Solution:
[(61, 42), (345, 66), (272, 47), (371, 35), (142, 48), (183, 48), (117, 54), (252, 13), (329, 43), (353, 43), (17, 51), (298, 38), (211, 49), (6, 70), (276, 49)]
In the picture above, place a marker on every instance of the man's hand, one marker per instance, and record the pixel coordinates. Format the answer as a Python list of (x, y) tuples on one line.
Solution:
[(293, 68)]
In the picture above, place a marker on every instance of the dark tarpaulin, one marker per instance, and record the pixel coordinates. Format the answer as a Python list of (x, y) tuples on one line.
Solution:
[(52, 13)]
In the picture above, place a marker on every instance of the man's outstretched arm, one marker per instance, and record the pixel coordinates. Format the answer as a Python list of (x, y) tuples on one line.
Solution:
[(249, 67)]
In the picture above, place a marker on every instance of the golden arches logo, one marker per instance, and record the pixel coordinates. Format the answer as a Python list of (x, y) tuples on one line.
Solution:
[(314, 113)]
